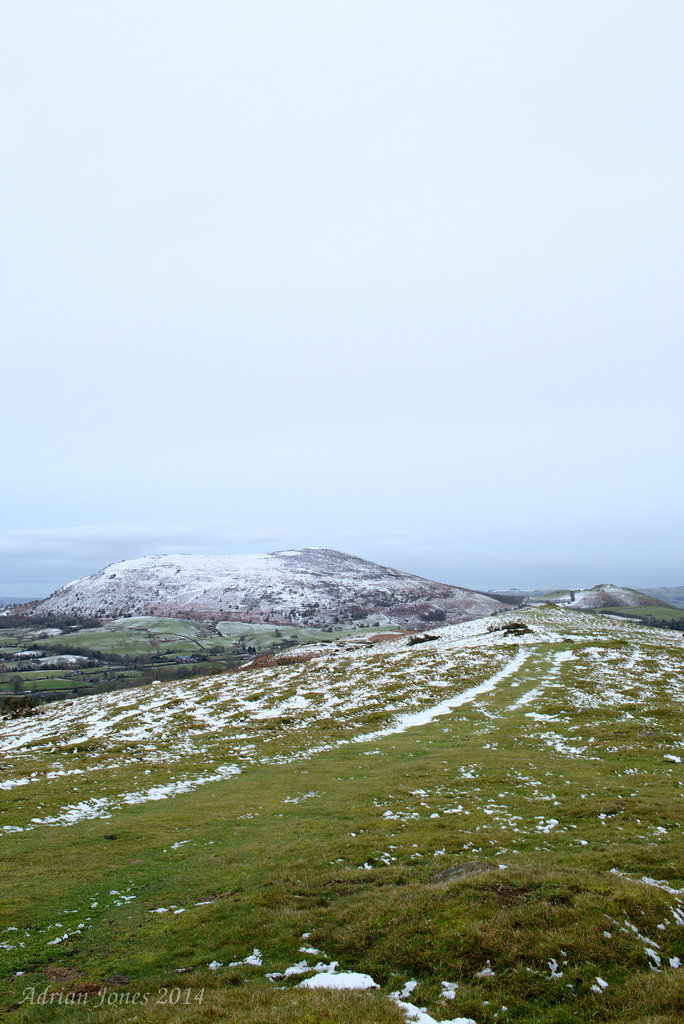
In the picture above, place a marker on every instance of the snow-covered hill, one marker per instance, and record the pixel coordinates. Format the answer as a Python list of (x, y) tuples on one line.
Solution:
[(605, 595), (309, 585)]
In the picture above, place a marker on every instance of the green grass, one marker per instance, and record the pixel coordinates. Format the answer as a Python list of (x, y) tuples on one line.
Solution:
[(264, 635), (149, 635), (47, 681), (643, 611), (267, 870)]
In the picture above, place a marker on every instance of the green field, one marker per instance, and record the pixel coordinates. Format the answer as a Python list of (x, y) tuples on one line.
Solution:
[(289, 809), (41, 681), (152, 635), (648, 611), (143, 648)]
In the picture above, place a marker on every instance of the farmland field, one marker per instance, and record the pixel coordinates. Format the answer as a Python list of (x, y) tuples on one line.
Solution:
[(137, 649), (666, 614)]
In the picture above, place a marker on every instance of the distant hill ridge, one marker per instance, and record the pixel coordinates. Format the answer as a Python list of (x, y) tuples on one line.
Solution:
[(674, 596), (308, 585), (604, 595)]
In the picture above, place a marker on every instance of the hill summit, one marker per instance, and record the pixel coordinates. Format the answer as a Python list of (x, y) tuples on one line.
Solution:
[(604, 595), (315, 586)]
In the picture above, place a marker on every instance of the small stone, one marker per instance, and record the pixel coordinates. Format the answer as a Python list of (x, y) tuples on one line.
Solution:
[(460, 870)]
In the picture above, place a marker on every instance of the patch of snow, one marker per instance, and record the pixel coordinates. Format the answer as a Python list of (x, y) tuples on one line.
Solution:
[(408, 988), (418, 1015), (346, 979), (11, 783), (254, 960), (553, 969), (300, 968)]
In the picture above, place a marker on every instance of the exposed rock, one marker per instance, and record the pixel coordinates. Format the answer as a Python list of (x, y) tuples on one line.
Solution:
[(420, 639), (472, 867), (511, 629)]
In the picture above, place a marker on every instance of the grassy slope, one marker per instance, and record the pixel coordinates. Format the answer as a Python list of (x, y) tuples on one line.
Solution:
[(275, 868)]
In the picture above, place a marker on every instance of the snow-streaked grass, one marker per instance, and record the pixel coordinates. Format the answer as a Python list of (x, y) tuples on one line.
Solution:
[(555, 778)]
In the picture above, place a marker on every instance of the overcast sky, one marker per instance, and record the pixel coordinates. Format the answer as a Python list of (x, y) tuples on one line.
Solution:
[(403, 279)]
